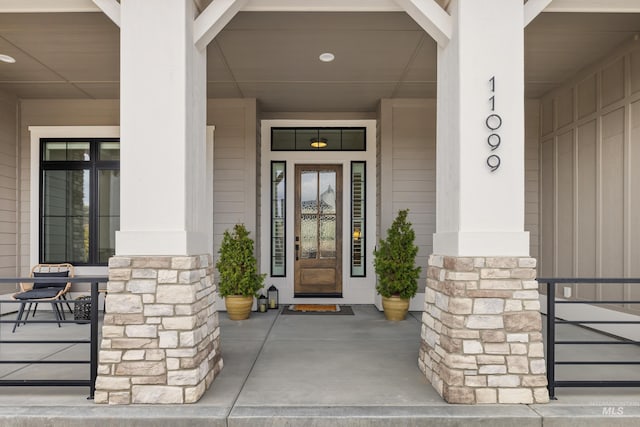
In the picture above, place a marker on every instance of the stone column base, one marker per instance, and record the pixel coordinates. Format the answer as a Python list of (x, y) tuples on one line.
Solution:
[(481, 332), (160, 338)]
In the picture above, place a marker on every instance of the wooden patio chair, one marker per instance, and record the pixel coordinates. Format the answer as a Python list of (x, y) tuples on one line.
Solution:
[(45, 292)]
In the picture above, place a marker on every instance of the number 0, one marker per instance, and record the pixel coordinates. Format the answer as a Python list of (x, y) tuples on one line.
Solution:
[(494, 121)]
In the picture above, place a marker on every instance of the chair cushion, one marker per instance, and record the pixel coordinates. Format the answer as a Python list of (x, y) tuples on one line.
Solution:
[(38, 293), (50, 274)]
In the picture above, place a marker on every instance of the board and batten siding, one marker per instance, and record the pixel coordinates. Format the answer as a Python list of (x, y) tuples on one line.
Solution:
[(590, 176), (8, 189), (234, 166), (407, 170)]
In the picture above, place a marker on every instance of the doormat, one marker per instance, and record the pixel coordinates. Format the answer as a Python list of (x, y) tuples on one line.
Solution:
[(323, 309)]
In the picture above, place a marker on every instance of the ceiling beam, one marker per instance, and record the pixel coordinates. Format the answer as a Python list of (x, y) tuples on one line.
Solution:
[(213, 19), (431, 17), (111, 8), (533, 8), (594, 6)]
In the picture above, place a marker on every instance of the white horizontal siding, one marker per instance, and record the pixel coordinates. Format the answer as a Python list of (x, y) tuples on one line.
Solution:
[(8, 189), (234, 166)]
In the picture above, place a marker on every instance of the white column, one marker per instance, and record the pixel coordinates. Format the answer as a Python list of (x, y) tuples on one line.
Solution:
[(481, 86), (163, 131)]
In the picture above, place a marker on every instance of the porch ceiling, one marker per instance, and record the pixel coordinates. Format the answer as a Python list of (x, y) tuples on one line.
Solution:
[(274, 56)]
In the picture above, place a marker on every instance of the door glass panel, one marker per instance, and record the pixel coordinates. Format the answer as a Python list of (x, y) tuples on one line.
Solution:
[(327, 236), (328, 192), (309, 236), (308, 192)]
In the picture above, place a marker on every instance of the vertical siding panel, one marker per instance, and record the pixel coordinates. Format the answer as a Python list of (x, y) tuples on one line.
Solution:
[(586, 207), (634, 81), (613, 82), (612, 167), (547, 208), (565, 201), (606, 124), (587, 101), (564, 111), (634, 202)]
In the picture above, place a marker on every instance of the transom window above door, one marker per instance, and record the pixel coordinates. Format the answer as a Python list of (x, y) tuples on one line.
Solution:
[(318, 139)]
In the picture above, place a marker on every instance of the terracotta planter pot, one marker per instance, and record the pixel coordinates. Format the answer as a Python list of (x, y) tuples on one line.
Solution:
[(238, 307), (395, 308)]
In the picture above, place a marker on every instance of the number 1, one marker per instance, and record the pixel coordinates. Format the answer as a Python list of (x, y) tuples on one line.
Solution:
[(492, 80)]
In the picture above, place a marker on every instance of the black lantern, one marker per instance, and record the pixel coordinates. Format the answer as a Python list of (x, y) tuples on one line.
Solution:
[(262, 303), (273, 297)]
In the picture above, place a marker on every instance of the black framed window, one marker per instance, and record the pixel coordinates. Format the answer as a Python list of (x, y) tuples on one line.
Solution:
[(358, 215), (79, 199), (318, 139), (278, 219)]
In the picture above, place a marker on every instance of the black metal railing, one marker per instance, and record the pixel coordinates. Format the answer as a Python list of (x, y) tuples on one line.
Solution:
[(92, 341), (553, 320)]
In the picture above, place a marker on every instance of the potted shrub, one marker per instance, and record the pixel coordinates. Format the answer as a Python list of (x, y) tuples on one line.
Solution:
[(394, 262), (239, 280)]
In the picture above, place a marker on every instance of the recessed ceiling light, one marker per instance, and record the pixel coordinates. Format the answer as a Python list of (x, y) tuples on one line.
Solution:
[(8, 59), (327, 57)]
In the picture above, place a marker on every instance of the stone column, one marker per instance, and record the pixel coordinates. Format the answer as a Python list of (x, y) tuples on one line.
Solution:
[(160, 335), (160, 339), (481, 334)]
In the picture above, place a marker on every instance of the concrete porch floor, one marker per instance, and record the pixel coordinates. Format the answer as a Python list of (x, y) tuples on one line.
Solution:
[(294, 370)]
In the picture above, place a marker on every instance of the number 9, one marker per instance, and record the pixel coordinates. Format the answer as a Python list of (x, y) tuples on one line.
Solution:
[(494, 141), (493, 162)]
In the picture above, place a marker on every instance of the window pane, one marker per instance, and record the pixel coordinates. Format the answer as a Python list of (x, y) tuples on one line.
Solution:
[(78, 151), (109, 192), (55, 193), (326, 139), (358, 219), (78, 239), (108, 212), (332, 138), (283, 139), (107, 227), (327, 236), (278, 248), (66, 216), (304, 138), (328, 192), (54, 242), (309, 192), (55, 151), (309, 236), (110, 150), (353, 139)]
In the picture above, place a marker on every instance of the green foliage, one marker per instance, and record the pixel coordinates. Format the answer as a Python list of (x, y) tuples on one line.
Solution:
[(237, 265), (394, 260)]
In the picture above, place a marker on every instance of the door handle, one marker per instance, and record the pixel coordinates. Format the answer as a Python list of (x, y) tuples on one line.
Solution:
[(297, 248)]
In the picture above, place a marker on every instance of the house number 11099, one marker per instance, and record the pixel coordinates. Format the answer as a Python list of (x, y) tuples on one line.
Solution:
[(493, 122)]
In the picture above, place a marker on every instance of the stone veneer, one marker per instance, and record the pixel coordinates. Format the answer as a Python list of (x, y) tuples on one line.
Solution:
[(481, 331), (160, 338)]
